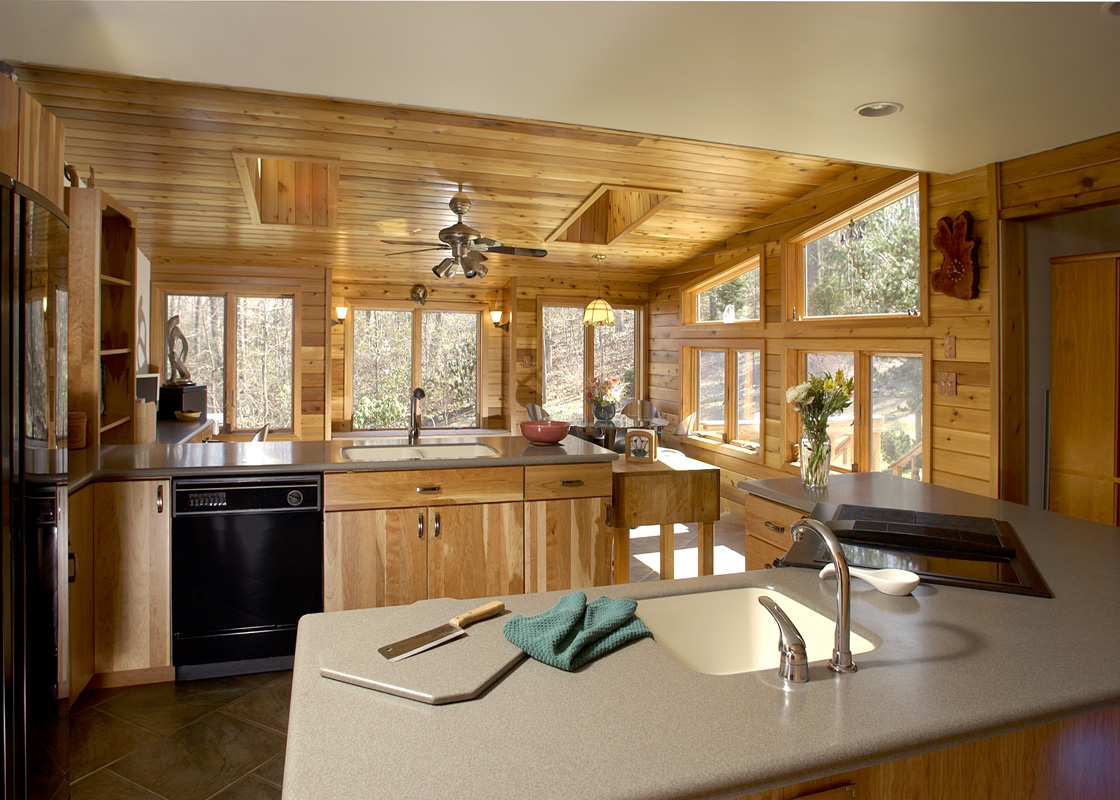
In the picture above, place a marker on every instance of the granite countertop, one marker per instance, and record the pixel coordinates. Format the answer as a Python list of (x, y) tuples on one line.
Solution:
[(951, 665), (248, 458)]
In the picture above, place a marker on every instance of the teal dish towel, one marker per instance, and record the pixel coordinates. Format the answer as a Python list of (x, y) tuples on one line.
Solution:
[(574, 632)]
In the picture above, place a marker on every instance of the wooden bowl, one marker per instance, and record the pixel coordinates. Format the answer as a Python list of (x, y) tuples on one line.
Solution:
[(187, 416), (544, 432)]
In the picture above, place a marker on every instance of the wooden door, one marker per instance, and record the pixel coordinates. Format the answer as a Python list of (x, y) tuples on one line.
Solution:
[(567, 544), (374, 557), (80, 532), (132, 566), (476, 550)]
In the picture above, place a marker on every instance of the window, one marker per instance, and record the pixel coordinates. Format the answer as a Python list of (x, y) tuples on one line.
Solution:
[(867, 261), (726, 296), (571, 355), (244, 342), (386, 365), (727, 386), (885, 427)]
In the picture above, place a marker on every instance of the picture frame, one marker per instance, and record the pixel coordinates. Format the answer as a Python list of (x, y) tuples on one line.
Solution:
[(641, 445)]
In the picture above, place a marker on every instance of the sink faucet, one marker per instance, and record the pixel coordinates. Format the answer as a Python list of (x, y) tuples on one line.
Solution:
[(841, 660), (414, 416), (794, 666)]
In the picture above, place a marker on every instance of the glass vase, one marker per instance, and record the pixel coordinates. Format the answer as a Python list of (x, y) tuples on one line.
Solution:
[(603, 413), (816, 457)]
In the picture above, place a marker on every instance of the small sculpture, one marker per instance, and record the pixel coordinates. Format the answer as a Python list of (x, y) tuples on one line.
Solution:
[(180, 375), (959, 275)]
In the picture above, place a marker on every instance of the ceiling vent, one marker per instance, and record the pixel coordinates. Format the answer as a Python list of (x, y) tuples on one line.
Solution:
[(289, 190), (611, 212)]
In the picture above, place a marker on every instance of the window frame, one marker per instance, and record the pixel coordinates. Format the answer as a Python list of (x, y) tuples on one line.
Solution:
[(690, 361), (162, 289), (481, 309), (793, 249), (753, 258), (640, 345), (794, 372)]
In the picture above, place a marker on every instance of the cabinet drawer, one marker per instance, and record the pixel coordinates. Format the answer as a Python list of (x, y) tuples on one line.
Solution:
[(760, 554), (552, 481), (421, 487), (770, 521)]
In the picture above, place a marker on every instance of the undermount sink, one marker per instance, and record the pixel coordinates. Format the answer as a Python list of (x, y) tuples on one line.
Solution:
[(417, 452), (728, 632)]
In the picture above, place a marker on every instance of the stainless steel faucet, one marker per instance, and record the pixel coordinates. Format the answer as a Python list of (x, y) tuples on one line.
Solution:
[(794, 666), (841, 660), (414, 416)]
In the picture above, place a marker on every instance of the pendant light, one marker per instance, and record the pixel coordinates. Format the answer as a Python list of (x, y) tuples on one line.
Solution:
[(598, 312)]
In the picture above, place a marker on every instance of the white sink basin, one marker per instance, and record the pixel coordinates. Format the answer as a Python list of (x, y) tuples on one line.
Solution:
[(417, 452), (727, 632)]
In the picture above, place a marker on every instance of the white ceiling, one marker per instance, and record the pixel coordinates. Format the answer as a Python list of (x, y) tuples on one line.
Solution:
[(980, 82)]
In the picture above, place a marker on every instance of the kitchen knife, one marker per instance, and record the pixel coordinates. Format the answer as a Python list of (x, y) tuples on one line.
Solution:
[(444, 633)]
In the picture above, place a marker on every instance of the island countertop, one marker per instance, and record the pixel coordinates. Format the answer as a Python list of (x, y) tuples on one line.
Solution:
[(951, 665), (279, 456)]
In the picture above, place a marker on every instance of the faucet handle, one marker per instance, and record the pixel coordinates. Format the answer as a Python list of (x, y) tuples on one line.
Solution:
[(794, 666)]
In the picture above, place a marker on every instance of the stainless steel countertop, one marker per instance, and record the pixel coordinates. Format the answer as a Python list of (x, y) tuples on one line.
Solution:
[(952, 665)]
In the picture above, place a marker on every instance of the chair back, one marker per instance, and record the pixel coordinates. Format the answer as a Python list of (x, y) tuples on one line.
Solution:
[(536, 412), (641, 409), (261, 435)]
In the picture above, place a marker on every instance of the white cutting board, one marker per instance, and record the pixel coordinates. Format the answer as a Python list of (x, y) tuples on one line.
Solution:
[(461, 669)]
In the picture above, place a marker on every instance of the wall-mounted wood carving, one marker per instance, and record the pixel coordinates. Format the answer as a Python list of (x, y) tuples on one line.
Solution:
[(959, 275)]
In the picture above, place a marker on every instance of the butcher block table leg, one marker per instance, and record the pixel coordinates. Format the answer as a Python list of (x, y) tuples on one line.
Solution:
[(706, 545), (622, 555), (667, 552)]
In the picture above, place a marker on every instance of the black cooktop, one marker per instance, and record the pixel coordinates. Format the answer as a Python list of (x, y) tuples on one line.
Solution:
[(948, 549)]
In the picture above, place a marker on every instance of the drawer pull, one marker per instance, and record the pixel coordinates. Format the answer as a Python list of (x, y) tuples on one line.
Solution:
[(423, 489), (571, 483), (437, 525), (773, 527), (420, 526)]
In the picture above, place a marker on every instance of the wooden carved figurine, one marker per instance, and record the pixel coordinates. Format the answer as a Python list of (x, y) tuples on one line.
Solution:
[(959, 275)]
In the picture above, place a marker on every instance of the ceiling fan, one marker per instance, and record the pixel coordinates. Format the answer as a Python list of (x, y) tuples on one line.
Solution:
[(466, 245)]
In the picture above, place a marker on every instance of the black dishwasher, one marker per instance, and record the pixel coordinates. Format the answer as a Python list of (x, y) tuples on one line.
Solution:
[(246, 564)]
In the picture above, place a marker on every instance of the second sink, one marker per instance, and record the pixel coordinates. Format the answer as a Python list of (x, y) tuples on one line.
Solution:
[(727, 632)]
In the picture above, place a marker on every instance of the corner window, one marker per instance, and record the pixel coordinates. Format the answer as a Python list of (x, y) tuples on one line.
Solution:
[(727, 396), (726, 296), (867, 261)]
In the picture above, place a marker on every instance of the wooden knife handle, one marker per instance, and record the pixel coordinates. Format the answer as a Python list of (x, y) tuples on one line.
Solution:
[(479, 614)]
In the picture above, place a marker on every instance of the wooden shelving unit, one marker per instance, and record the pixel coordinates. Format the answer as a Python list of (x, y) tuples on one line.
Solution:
[(102, 318)]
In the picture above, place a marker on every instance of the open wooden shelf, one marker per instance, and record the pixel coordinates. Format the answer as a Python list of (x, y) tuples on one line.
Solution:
[(120, 351), (115, 281), (108, 422)]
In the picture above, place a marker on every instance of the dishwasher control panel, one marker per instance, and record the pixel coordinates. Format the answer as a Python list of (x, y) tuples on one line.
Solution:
[(206, 500), (246, 495)]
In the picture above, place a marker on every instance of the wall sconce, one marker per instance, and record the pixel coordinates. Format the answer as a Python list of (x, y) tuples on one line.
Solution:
[(340, 313), (496, 318)]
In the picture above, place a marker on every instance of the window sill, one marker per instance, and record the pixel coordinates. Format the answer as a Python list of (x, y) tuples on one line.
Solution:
[(724, 448)]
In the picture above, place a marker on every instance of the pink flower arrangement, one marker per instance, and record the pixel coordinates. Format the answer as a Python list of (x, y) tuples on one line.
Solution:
[(604, 391)]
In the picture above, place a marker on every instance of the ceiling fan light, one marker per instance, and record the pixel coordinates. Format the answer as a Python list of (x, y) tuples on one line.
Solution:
[(598, 313), (445, 268)]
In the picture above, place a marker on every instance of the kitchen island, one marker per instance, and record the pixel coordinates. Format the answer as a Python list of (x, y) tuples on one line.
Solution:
[(950, 666)]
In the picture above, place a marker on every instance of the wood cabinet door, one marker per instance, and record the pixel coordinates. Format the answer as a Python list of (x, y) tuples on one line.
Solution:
[(80, 532), (41, 141), (567, 544), (476, 550), (375, 557), (9, 127), (132, 567)]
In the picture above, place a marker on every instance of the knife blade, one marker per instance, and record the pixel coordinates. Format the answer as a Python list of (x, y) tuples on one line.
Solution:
[(444, 633)]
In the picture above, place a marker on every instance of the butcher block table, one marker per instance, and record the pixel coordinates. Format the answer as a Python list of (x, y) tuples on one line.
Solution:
[(672, 489)]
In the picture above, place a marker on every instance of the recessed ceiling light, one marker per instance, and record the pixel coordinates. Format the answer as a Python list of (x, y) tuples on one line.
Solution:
[(1111, 9), (881, 109)]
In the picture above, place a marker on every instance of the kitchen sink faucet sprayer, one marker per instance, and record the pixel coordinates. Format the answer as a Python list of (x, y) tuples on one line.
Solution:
[(841, 660), (414, 416)]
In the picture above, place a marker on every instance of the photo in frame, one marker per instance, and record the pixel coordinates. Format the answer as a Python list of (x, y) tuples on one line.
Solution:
[(641, 445)]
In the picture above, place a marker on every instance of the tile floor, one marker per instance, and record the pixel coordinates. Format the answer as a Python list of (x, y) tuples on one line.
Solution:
[(223, 738)]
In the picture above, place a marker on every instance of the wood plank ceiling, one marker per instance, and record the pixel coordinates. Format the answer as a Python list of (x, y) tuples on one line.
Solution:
[(167, 149)]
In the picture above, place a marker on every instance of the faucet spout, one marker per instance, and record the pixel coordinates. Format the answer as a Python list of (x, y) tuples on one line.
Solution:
[(414, 415), (841, 660)]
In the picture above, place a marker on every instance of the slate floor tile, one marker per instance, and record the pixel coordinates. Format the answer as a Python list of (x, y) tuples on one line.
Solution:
[(104, 785), (166, 707), (267, 706), (272, 771), (249, 788), (202, 758), (97, 739)]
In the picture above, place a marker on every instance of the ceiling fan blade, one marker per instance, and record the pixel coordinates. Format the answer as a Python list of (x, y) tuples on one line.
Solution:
[(475, 256), (482, 243), (518, 251), (414, 244), (421, 250)]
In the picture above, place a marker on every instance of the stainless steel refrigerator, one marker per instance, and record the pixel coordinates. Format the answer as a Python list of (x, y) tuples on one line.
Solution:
[(34, 245)]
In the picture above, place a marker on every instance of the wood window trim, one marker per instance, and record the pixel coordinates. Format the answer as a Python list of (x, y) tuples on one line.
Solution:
[(160, 291), (640, 345), (753, 258), (484, 332), (793, 372), (793, 273), (691, 401)]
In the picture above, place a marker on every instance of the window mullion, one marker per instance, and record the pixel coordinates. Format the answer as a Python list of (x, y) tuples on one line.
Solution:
[(417, 353), (231, 360)]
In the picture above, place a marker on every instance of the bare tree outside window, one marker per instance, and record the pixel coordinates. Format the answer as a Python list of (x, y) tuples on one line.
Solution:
[(382, 368), (616, 350), (736, 300), (202, 320), (711, 373), (449, 368), (748, 399), (841, 426), (562, 362), (265, 337)]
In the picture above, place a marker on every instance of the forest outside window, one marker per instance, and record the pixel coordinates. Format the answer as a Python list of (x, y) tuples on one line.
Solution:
[(395, 349), (727, 396), (865, 262), (242, 348), (726, 296), (886, 427)]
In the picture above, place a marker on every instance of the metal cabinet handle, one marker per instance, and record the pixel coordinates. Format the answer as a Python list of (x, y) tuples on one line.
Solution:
[(571, 483), (73, 559), (420, 526), (773, 527), (437, 525), (423, 489), (159, 499)]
